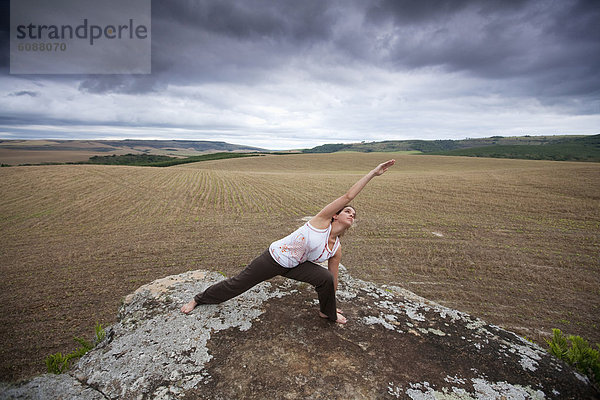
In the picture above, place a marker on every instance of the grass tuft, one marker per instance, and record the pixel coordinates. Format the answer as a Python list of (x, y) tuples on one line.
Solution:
[(59, 363), (578, 354)]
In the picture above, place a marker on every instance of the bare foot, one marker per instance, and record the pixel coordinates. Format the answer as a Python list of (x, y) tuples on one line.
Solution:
[(186, 309), (340, 318)]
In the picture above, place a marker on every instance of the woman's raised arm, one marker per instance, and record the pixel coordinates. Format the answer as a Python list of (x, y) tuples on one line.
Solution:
[(323, 218)]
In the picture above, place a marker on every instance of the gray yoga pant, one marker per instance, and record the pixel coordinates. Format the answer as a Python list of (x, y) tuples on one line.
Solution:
[(265, 267)]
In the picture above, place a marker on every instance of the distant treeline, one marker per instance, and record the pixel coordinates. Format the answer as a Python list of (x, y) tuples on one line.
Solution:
[(153, 160), (559, 148), (129, 159), (577, 149)]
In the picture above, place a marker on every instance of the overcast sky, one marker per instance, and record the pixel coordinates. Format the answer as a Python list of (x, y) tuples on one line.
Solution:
[(293, 74)]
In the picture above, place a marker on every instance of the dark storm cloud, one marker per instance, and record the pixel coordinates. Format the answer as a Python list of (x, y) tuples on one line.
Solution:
[(253, 19), (417, 12), (4, 35), (554, 47), (225, 41), (546, 42)]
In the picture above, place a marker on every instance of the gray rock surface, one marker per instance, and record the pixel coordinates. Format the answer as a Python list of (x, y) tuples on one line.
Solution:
[(57, 387), (270, 343)]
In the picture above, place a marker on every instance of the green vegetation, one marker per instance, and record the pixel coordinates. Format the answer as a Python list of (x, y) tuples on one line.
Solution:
[(579, 355), (150, 160), (423, 146), (204, 157), (430, 146), (557, 148), (580, 149), (330, 148), (129, 159), (59, 363)]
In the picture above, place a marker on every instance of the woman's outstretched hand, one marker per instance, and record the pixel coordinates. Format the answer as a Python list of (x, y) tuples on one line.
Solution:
[(381, 168), (323, 219)]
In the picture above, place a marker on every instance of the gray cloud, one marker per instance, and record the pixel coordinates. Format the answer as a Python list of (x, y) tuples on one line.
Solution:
[(121, 84), (24, 93), (4, 35), (539, 42), (416, 13), (225, 41), (252, 19)]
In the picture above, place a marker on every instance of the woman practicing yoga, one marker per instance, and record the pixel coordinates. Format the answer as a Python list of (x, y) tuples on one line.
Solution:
[(295, 256)]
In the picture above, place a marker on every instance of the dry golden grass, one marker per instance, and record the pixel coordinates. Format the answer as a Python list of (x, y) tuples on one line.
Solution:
[(513, 242), (16, 156)]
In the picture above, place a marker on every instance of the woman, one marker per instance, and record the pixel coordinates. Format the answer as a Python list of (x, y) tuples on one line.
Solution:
[(295, 256)]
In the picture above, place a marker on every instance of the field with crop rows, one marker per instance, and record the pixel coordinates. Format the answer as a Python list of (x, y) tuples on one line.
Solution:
[(514, 242)]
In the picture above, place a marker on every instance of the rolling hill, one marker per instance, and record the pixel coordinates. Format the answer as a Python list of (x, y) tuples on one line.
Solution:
[(563, 148), (14, 152)]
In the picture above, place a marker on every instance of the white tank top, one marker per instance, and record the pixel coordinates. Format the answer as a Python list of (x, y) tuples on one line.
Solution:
[(306, 243)]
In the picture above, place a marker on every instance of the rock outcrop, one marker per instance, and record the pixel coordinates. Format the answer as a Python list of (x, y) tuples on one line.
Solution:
[(269, 343)]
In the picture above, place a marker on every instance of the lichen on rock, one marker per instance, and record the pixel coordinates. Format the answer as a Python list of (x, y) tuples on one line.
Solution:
[(270, 343)]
